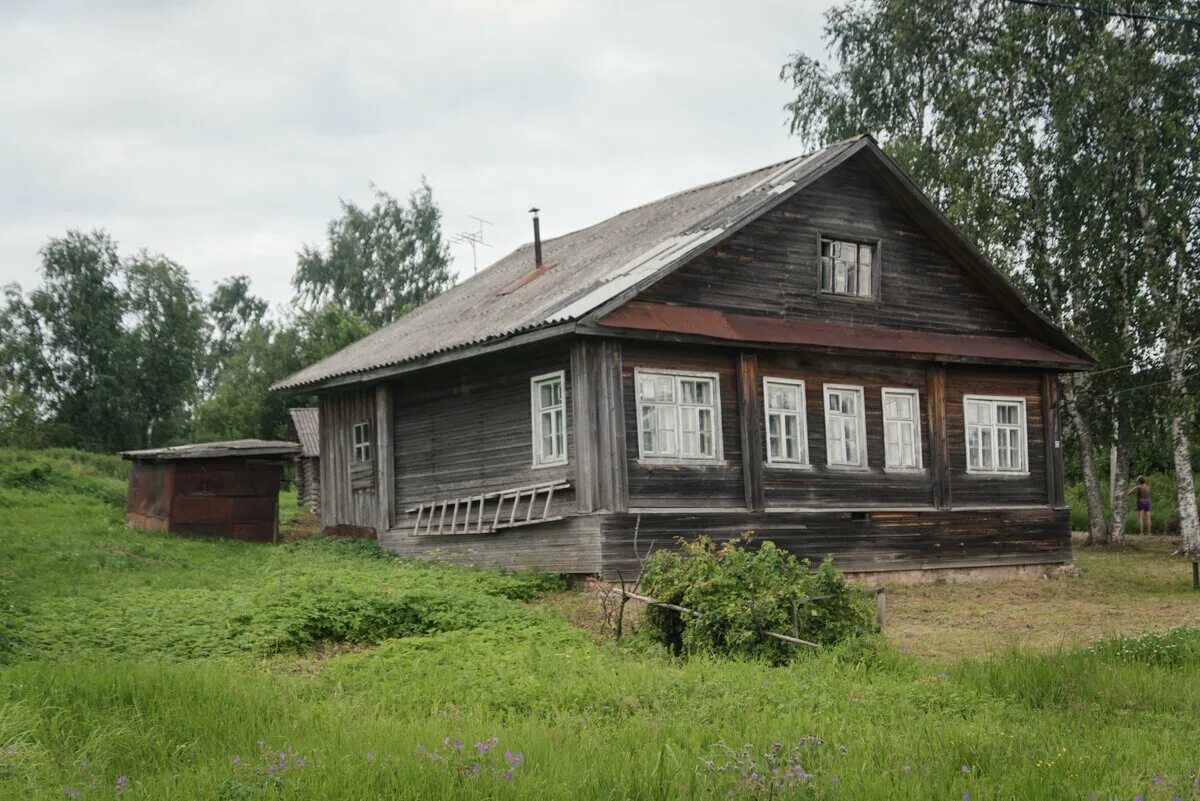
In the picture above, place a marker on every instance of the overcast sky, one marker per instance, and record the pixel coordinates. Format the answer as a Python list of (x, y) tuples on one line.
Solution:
[(223, 133)]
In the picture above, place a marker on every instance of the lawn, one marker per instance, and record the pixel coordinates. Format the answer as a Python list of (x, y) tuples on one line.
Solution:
[(144, 666)]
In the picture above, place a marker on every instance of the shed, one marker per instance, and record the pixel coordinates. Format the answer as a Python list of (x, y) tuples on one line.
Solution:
[(306, 424), (225, 489)]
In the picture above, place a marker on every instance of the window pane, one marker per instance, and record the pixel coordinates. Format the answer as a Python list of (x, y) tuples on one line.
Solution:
[(864, 280), (827, 274), (546, 394), (664, 389)]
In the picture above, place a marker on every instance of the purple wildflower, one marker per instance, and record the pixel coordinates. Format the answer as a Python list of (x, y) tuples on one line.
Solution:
[(508, 776), (271, 770), (262, 744), (476, 768), (457, 743), (370, 757), (299, 762), (965, 769), (966, 797), (482, 748), (907, 768), (237, 760), (1157, 779), (833, 780), (83, 763), (1137, 798), (420, 749)]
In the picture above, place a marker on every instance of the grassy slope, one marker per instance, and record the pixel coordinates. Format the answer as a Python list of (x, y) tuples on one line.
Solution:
[(110, 674)]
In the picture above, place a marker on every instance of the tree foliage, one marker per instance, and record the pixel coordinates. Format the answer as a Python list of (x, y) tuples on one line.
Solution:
[(378, 263), (1065, 143), (242, 404)]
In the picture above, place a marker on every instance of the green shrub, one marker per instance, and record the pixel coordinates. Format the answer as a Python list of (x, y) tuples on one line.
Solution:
[(739, 592), (62, 472)]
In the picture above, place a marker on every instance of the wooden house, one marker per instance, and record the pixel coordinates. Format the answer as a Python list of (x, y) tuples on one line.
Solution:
[(809, 351), (306, 425), (222, 489)]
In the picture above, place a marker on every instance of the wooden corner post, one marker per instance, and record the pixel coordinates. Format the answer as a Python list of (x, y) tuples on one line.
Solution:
[(385, 458), (751, 428), (939, 446), (1052, 433)]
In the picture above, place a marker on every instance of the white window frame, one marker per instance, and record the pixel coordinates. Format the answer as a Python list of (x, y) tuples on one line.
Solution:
[(535, 411), (362, 449), (1023, 426), (800, 413), (675, 458), (836, 241), (916, 426), (862, 427)]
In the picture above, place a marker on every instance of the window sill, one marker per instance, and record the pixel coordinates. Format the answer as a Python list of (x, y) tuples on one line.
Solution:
[(669, 462), (545, 465), (870, 301), (998, 473), (907, 471), (788, 466), (848, 468)]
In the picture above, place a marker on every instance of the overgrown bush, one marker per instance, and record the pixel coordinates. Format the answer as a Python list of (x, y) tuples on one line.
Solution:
[(739, 591)]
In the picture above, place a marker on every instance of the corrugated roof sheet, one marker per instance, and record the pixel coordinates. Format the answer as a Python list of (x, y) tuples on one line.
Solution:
[(216, 450), (307, 422), (584, 270)]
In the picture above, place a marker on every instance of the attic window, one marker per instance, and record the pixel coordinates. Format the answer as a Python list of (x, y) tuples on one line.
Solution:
[(848, 268)]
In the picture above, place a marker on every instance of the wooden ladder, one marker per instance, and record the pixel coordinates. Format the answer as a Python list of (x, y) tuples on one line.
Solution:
[(466, 514)]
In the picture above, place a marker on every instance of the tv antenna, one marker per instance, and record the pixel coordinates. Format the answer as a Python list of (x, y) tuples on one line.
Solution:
[(472, 238)]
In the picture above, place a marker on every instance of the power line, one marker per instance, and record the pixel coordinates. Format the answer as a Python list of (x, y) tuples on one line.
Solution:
[(1131, 364), (1195, 23)]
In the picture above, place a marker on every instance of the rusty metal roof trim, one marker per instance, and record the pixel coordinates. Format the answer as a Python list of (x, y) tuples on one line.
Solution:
[(692, 321)]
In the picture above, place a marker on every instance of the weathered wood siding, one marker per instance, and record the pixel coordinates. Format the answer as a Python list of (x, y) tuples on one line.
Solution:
[(667, 485), (466, 429), (224, 497), (821, 486), (571, 545), (771, 267), (349, 504), (864, 541), (967, 489)]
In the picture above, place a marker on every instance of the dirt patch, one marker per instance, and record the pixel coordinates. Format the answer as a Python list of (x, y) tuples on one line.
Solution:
[(1131, 590)]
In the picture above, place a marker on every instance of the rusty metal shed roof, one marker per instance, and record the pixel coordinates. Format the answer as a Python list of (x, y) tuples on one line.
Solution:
[(307, 422), (215, 450)]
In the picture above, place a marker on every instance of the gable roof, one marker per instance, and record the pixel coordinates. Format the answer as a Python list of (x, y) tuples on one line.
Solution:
[(589, 272), (307, 422)]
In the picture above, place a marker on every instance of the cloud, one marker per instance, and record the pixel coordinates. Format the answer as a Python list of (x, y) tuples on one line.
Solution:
[(224, 133)]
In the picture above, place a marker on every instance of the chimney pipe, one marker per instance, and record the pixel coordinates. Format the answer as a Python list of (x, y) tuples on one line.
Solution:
[(537, 239)]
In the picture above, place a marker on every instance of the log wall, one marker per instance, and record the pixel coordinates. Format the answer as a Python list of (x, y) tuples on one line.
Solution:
[(772, 267), (858, 541), (350, 502)]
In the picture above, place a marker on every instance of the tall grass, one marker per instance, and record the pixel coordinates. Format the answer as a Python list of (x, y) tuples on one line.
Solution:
[(167, 661)]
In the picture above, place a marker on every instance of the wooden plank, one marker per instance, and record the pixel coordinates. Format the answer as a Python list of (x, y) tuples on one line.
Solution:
[(584, 380), (751, 431), (939, 444), (1055, 482), (914, 540), (385, 457)]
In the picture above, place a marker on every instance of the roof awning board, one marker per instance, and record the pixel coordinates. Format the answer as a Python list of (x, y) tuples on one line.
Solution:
[(216, 450), (689, 321)]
